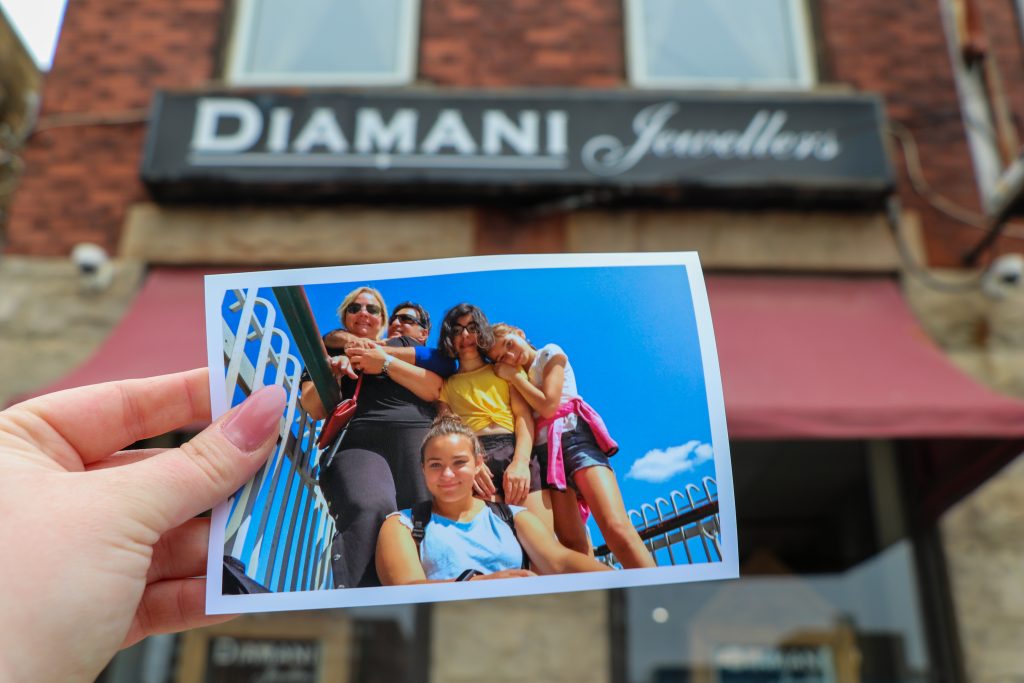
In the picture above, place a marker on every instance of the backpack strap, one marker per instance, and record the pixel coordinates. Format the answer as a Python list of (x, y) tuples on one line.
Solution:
[(504, 513), (420, 518)]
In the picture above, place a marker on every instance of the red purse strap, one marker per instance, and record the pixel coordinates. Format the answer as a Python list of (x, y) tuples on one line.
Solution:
[(359, 385)]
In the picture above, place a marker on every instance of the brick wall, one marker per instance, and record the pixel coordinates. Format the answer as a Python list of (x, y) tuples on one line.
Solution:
[(479, 43), (113, 53), (899, 49)]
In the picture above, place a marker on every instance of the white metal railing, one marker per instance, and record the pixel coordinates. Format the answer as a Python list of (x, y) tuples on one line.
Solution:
[(279, 526)]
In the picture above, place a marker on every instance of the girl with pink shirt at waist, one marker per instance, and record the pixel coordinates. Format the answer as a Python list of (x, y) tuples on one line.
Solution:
[(572, 444)]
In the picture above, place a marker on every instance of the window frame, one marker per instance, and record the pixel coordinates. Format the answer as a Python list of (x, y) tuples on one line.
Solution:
[(804, 51), (240, 43)]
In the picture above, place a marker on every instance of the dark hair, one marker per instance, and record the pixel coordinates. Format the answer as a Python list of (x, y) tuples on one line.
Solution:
[(447, 425), (421, 313), (484, 338)]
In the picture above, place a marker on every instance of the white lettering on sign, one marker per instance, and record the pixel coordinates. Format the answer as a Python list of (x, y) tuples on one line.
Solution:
[(373, 135), (322, 130), (763, 138), (235, 132), (449, 131), (226, 651), (209, 115)]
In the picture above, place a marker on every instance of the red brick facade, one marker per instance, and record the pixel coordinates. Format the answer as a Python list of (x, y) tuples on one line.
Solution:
[(112, 54)]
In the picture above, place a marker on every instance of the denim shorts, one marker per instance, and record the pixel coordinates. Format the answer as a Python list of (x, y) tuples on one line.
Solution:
[(579, 451), (498, 452)]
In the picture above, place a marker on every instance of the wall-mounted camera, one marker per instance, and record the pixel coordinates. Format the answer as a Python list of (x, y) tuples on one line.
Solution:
[(1004, 276), (95, 270)]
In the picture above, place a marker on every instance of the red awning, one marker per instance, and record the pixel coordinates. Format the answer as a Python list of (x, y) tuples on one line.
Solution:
[(801, 357), (815, 357), (163, 331)]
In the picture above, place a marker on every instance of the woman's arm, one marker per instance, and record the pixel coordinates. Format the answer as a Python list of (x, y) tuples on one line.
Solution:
[(517, 474), (546, 398), (425, 384), (546, 553), (398, 560)]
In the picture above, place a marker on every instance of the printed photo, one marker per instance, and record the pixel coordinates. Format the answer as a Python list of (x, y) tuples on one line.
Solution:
[(470, 428)]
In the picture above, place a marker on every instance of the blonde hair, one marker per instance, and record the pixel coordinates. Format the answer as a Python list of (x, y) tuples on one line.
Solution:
[(380, 302), (503, 329)]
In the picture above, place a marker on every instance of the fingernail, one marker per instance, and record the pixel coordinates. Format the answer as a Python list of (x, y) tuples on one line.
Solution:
[(256, 419)]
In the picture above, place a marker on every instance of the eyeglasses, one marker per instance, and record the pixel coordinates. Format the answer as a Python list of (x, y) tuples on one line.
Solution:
[(406, 319), (355, 307), (471, 328)]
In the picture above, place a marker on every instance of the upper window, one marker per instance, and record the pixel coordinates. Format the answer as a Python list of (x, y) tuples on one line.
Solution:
[(324, 42), (714, 44)]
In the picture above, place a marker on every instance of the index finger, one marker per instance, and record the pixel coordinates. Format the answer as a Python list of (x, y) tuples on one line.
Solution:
[(89, 423)]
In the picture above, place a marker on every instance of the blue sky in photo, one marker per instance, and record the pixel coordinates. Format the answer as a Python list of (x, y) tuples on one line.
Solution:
[(630, 334)]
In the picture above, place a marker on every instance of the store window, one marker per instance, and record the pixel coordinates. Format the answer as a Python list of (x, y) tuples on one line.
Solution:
[(759, 44), (389, 644), (831, 588), (324, 42)]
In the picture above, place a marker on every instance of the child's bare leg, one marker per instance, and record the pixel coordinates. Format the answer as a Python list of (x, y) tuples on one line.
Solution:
[(601, 491), (568, 525)]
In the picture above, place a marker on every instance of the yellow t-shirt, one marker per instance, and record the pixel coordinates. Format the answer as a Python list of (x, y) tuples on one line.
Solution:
[(479, 398)]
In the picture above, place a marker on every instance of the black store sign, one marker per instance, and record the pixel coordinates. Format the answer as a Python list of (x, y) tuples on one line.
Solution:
[(460, 144)]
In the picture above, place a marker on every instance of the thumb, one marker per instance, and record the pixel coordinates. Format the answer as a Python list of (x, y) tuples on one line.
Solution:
[(178, 484)]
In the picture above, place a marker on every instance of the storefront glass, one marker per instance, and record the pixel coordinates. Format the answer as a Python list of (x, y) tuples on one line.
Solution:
[(830, 589)]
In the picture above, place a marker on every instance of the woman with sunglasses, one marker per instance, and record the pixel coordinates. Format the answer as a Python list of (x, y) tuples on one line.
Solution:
[(374, 469), (408, 319), (494, 411), (463, 538), (577, 456)]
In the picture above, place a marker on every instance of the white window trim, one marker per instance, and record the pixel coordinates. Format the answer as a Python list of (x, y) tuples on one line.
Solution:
[(407, 41), (804, 52), (976, 114)]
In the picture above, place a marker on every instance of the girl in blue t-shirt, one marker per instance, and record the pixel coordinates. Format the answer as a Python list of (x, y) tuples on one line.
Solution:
[(465, 539)]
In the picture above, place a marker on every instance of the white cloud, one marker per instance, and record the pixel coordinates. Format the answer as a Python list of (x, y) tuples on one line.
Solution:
[(659, 465)]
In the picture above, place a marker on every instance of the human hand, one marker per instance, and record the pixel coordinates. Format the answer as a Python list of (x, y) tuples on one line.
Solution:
[(506, 371), (516, 482), (100, 545), (370, 361), (483, 483), (360, 343), (342, 366), (504, 574)]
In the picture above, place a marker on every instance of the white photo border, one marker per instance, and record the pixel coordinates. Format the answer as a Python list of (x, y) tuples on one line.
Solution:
[(728, 568)]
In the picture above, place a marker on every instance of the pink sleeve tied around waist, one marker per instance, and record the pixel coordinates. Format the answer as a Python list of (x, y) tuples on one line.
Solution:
[(556, 424)]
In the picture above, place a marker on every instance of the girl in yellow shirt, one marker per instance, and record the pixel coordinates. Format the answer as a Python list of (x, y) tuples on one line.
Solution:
[(496, 413)]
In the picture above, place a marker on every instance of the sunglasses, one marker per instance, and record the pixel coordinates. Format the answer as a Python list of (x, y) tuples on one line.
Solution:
[(354, 307), (406, 319), (472, 328)]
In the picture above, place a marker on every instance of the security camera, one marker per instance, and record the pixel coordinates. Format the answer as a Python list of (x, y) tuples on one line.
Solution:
[(1005, 275), (95, 271)]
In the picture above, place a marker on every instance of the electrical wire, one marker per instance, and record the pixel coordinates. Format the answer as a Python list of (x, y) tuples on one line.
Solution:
[(938, 201), (968, 283)]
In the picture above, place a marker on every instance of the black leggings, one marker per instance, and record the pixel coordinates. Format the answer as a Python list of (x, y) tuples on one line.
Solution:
[(375, 472)]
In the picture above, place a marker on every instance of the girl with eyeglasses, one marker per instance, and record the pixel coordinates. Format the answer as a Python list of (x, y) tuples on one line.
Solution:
[(572, 445), (495, 412), (374, 470), (458, 537)]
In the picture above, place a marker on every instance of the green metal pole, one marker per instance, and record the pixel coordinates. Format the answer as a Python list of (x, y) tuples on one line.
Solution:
[(296, 311)]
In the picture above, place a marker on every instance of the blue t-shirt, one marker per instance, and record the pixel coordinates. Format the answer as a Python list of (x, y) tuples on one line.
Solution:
[(436, 361), (484, 543)]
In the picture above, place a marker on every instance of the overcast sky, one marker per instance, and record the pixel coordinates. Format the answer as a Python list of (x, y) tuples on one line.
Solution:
[(38, 23)]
